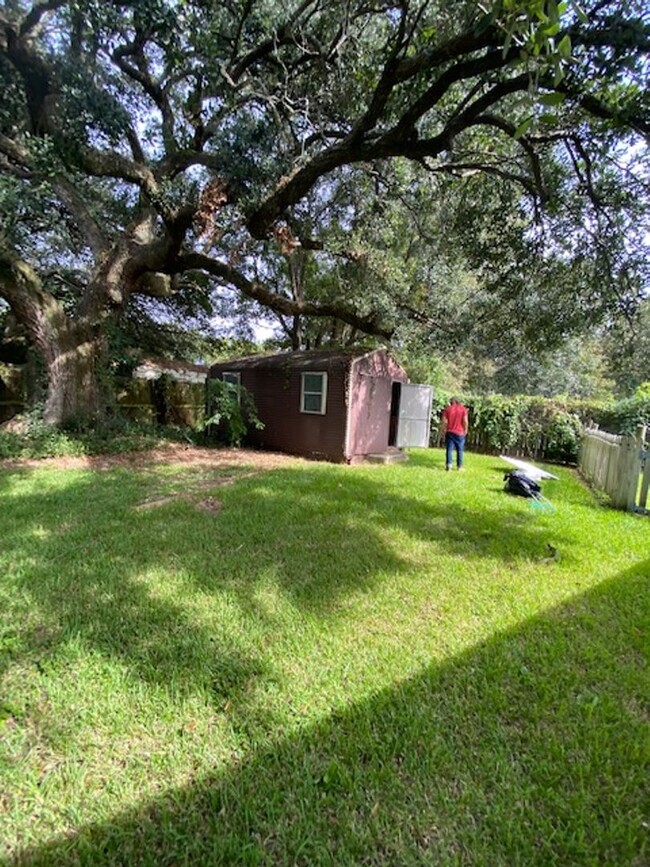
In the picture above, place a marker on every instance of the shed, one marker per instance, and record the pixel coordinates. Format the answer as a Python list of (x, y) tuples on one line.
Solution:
[(335, 405)]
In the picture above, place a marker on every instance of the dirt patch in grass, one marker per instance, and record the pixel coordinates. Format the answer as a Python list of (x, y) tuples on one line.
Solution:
[(188, 456), (209, 505), (193, 488), (210, 468)]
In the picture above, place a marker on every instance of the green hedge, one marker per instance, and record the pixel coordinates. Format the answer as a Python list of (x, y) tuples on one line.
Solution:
[(540, 428)]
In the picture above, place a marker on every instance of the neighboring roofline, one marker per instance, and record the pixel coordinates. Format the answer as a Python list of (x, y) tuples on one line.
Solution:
[(181, 371), (172, 363)]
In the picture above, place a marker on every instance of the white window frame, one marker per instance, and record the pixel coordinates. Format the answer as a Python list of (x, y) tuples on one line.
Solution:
[(323, 393)]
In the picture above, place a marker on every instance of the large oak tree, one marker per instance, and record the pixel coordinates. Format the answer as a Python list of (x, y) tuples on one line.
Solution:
[(149, 147)]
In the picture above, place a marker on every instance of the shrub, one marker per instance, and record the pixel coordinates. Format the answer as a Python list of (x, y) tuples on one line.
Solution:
[(230, 412), (113, 436), (541, 428), (627, 415)]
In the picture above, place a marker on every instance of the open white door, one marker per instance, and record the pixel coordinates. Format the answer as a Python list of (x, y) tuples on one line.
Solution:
[(414, 416)]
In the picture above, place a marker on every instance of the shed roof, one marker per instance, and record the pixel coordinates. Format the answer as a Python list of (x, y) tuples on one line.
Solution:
[(309, 359)]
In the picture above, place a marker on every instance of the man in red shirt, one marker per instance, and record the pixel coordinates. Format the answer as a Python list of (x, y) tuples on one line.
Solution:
[(454, 424)]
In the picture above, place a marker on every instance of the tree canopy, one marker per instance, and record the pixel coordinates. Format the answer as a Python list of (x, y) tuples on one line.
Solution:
[(284, 152)]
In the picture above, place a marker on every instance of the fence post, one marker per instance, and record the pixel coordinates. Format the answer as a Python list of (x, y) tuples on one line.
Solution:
[(632, 446), (642, 505), (645, 485)]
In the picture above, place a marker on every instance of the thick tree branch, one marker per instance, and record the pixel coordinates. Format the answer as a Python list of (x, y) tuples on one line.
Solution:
[(38, 311), (597, 108), (37, 79), (8, 168), (33, 18), (142, 75), (525, 143), (94, 162), (401, 139), (384, 88), (135, 145), (41, 93), (459, 72), (15, 152), (85, 221), (110, 164), (278, 303), (177, 163), (395, 142), (141, 261), (468, 42), (24, 168), (282, 36)]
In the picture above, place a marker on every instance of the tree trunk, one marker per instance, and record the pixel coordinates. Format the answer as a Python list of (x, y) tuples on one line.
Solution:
[(74, 390), (72, 349)]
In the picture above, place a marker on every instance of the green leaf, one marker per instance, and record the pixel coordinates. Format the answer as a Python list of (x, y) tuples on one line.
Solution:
[(564, 47), (551, 29), (582, 15), (552, 98), (523, 127), (507, 43)]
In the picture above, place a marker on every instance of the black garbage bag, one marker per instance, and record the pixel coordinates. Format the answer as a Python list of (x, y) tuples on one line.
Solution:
[(518, 483)]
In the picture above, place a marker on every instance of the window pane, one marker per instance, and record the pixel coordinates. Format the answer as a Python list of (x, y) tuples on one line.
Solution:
[(313, 382), (231, 377), (312, 403)]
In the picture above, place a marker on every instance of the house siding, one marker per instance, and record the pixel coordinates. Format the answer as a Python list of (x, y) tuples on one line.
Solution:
[(276, 394)]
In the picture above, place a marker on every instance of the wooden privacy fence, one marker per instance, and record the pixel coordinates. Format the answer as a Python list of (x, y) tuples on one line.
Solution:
[(618, 465), (162, 401)]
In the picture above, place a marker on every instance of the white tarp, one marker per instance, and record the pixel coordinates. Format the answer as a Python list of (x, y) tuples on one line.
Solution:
[(531, 470)]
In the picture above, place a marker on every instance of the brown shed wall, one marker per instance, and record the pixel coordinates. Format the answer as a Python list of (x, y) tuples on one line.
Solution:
[(344, 432), (276, 393)]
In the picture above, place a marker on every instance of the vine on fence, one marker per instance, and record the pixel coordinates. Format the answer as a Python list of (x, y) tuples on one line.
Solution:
[(541, 428)]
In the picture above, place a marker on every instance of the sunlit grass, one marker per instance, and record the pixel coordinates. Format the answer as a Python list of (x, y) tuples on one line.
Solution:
[(323, 665)]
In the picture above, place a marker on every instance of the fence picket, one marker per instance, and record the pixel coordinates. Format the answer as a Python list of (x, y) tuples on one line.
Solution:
[(645, 482), (613, 463)]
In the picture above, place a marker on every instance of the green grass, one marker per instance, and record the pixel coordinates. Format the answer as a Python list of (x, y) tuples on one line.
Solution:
[(365, 665), (114, 436)]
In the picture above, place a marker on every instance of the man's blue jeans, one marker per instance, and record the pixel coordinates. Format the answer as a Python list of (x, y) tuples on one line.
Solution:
[(455, 441)]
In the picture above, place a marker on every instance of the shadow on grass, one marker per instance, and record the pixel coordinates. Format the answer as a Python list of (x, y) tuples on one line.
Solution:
[(577, 495), (525, 750), (89, 560)]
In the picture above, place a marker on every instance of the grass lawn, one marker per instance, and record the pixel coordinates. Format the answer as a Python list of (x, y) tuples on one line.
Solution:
[(325, 665)]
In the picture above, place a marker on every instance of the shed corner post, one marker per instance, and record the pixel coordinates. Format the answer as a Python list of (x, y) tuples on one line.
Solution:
[(349, 393)]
